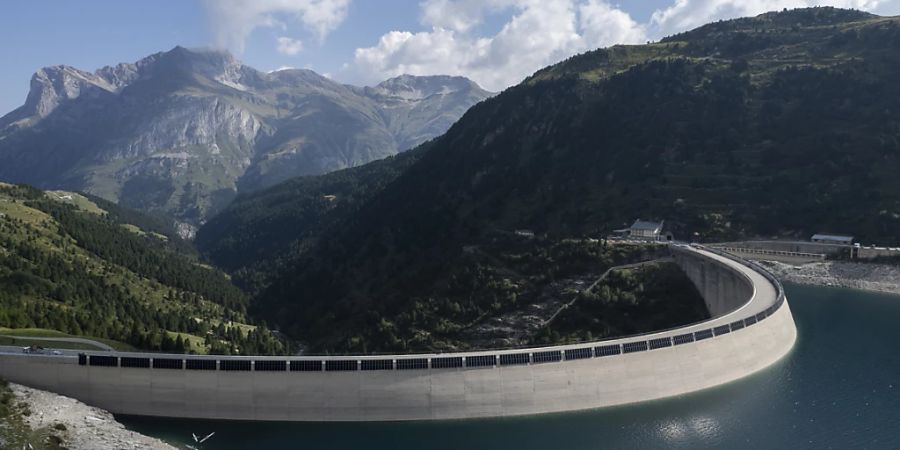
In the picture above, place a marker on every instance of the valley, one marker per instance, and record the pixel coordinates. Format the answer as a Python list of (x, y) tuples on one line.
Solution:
[(71, 266)]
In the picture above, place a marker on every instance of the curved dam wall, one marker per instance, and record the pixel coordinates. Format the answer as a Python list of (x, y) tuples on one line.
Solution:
[(723, 288), (754, 329)]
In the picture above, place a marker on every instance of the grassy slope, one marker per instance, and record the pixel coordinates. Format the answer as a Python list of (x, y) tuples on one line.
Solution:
[(21, 224)]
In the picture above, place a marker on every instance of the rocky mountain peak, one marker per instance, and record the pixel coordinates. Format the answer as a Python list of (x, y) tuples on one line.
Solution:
[(413, 88), (180, 132), (53, 85)]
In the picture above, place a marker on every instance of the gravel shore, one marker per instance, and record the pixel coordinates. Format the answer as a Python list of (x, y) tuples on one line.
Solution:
[(86, 427), (865, 276)]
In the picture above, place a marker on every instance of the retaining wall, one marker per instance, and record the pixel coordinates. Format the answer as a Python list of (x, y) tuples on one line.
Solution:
[(752, 328)]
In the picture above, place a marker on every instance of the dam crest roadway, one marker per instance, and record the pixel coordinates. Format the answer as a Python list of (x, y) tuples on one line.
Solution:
[(751, 327)]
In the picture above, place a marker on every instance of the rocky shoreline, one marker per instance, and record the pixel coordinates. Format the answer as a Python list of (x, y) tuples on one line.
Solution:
[(79, 426), (864, 276)]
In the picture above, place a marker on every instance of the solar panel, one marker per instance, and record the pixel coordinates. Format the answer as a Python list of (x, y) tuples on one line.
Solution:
[(306, 366), (341, 365), (412, 364), (103, 361), (723, 329), (660, 343), (631, 347), (481, 361), (135, 362), (269, 366), (167, 363), (703, 334), (737, 325), (760, 316), (749, 321), (234, 365), (82, 359), (446, 362), (377, 364), (608, 350), (546, 357), (200, 364), (514, 359), (579, 353), (683, 338)]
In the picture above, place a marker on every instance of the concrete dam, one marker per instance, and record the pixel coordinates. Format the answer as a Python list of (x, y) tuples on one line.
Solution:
[(751, 327)]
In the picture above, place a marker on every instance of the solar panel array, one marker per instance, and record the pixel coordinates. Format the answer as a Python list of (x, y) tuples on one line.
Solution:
[(631, 347), (339, 365), (266, 365), (104, 361), (446, 362), (481, 361), (200, 364), (377, 364), (579, 353), (168, 363), (237, 365), (512, 359), (608, 350), (140, 363), (306, 366), (659, 343), (442, 362), (546, 357), (412, 364)]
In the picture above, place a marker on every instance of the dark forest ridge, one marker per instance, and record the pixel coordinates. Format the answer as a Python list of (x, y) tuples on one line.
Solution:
[(781, 124)]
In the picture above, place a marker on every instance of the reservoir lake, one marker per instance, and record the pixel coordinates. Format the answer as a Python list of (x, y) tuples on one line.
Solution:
[(839, 388)]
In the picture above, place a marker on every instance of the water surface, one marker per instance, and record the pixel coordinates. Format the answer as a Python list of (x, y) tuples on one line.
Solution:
[(838, 389)]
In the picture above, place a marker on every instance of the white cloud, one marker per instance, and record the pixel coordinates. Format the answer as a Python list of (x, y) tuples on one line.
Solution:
[(687, 14), (539, 33), (542, 32), (233, 21), (288, 46), (459, 15)]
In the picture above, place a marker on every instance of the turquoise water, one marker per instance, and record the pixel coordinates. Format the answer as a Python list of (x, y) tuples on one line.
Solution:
[(838, 389)]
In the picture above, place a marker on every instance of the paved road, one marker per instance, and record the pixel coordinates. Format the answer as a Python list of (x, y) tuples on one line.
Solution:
[(99, 345)]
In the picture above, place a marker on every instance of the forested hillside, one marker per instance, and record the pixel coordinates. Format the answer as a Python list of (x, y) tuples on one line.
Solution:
[(783, 124), (68, 264), (261, 234)]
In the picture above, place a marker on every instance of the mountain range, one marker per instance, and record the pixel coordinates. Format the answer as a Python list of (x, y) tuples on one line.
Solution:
[(179, 133)]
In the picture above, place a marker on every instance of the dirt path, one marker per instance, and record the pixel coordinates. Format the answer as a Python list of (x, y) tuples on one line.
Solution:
[(602, 277)]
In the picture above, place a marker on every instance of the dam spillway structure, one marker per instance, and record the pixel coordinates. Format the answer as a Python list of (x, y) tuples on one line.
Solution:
[(751, 328)]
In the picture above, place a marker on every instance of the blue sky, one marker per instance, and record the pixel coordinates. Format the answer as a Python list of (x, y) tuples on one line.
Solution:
[(494, 42)]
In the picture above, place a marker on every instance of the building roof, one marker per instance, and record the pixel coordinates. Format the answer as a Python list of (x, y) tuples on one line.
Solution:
[(832, 237), (646, 225)]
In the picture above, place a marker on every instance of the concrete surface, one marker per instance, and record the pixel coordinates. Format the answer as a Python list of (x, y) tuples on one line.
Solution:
[(735, 292)]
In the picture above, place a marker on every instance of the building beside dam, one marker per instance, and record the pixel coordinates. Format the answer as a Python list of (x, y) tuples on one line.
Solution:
[(751, 327)]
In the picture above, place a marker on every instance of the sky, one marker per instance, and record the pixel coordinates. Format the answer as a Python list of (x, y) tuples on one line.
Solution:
[(497, 43)]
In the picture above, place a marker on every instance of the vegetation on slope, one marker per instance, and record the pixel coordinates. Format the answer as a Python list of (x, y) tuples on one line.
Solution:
[(84, 273), (654, 297), (783, 124), (260, 234)]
